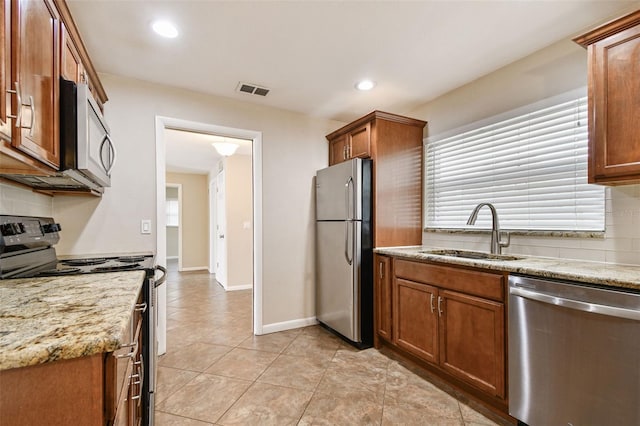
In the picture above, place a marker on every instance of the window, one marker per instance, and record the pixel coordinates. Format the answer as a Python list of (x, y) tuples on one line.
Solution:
[(532, 167), (172, 212)]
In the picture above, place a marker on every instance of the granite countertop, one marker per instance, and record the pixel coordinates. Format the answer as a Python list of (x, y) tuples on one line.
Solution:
[(53, 318), (623, 276)]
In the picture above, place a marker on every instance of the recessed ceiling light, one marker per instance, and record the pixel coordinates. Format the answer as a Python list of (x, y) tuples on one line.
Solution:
[(165, 29), (365, 85)]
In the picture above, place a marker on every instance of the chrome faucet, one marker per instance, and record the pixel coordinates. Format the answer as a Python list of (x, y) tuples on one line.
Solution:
[(496, 241)]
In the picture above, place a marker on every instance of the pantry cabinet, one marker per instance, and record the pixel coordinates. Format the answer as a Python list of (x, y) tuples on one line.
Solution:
[(39, 44), (394, 143), (614, 106), (451, 320)]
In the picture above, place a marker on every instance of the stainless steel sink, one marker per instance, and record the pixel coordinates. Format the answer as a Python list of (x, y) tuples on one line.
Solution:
[(467, 254)]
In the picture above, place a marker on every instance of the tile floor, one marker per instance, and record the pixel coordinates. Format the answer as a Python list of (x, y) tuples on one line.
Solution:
[(215, 372)]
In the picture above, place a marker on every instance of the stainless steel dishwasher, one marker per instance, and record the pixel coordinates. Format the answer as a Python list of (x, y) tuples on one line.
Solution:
[(574, 354)]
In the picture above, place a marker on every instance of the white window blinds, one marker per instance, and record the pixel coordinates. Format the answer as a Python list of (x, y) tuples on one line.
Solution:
[(532, 168)]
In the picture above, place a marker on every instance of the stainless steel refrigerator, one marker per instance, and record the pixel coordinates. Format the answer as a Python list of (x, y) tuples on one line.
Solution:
[(344, 244)]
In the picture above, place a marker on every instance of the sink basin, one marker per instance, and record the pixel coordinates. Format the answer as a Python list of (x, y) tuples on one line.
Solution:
[(470, 254)]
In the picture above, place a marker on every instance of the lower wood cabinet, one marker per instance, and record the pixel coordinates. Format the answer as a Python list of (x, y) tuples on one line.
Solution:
[(472, 344), (415, 321), (382, 298), (101, 389), (451, 318)]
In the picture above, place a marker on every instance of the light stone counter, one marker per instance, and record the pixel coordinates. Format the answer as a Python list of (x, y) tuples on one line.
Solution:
[(545, 267), (53, 318)]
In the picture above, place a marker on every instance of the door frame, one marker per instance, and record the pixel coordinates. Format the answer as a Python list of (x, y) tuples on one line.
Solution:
[(162, 123)]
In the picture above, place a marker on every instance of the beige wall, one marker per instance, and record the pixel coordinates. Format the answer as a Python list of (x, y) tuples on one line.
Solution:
[(239, 211), (556, 69), (195, 219), (293, 145)]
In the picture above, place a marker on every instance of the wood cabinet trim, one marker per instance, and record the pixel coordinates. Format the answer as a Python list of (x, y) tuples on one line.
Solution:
[(608, 29), (372, 116)]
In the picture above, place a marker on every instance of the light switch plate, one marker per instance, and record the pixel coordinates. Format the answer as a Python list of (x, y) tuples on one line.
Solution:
[(145, 226)]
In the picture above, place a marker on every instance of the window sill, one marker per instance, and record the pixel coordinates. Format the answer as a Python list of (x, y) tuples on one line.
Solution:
[(523, 233)]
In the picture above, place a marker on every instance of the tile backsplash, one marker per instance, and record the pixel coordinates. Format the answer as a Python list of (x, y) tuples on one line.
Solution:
[(21, 201), (620, 245)]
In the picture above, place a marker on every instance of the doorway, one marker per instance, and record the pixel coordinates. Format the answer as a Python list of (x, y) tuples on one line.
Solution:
[(173, 229), (164, 123)]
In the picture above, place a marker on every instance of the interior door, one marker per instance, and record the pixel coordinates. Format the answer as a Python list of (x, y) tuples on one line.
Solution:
[(221, 228)]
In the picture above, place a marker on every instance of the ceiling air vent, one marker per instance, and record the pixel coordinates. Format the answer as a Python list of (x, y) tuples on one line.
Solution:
[(252, 89)]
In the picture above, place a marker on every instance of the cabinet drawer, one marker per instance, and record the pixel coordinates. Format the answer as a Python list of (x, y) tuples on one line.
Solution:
[(474, 282)]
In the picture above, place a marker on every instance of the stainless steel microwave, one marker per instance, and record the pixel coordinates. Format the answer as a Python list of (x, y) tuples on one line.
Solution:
[(86, 149)]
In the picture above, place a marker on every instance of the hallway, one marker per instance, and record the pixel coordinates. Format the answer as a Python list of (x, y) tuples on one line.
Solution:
[(216, 372)]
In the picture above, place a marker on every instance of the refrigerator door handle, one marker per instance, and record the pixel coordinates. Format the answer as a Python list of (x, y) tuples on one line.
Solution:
[(346, 242), (347, 196)]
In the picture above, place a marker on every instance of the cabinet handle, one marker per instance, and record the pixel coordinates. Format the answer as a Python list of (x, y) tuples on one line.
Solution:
[(133, 353), (19, 103), (140, 377), (381, 270), (433, 308), (32, 106), (439, 306)]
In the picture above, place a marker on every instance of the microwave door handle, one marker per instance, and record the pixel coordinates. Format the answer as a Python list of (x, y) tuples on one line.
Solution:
[(112, 150)]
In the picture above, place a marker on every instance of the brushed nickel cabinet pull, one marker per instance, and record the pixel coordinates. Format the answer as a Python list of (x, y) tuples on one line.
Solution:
[(19, 103)]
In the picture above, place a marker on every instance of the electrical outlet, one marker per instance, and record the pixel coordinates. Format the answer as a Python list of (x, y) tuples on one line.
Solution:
[(145, 226)]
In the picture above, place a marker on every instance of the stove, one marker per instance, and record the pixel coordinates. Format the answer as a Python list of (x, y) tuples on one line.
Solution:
[(27, 251)]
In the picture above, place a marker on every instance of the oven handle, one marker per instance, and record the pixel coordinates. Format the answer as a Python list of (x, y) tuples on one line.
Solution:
[(612, 311), (163, 278)]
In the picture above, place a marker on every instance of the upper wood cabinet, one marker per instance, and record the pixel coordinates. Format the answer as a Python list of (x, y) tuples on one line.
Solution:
[(614, 100), (394, 143), (35, 74), (39, 42)]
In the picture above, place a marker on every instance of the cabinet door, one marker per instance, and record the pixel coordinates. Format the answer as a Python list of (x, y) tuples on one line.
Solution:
[(383, 297), (70, 63), (359, 142), (415, 318), (5, 69), (338, 150), (614, 107), (472, 341), (35, 66)]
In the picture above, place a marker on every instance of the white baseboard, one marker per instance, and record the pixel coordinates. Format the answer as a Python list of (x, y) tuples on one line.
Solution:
[(195, 268), (239, 287), (172, 257), (288, 325)]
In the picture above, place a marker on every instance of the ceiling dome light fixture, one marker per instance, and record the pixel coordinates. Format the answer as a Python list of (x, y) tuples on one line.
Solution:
[(365, 85), (226, 149), (165, 29)]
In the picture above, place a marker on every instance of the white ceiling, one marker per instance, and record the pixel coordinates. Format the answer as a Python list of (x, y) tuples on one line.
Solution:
[(311, 53), (188, 152)]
